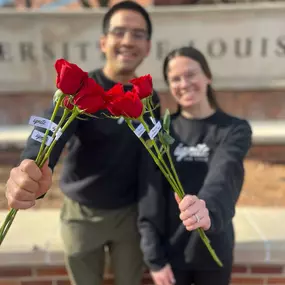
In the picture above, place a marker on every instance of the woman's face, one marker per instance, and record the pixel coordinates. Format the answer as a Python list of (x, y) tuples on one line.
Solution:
[(187, 81)]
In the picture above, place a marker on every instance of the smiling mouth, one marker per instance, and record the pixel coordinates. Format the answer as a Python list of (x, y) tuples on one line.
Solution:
[(187, 97), (188, 93), (126, 55)]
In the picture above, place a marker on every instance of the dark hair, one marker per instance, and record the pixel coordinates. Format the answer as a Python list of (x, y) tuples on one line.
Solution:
[(127, 5), (196, 55)]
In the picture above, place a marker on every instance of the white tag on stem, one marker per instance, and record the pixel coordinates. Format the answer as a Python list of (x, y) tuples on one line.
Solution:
[(58, 135), (139, 131), (153, 120), (42, 123), (39, 136), (154, 131)]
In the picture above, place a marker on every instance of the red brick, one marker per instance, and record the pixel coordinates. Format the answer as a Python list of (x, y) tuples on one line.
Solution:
[(239, 269), (267, 269), (8, 282), (48, 271), (247, 281), (15, 272), (269, 153), (254, 105), (276, 281), (37, 282), (258, 105)]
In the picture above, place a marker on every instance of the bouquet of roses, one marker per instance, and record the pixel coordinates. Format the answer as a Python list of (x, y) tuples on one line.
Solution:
[(78, 94)]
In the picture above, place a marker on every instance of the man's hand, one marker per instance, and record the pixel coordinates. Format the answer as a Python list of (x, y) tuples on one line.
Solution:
[(164, 276), (193, 212), (26, 183)]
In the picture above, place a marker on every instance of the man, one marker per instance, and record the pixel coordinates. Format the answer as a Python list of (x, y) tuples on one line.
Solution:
[(101, 170)]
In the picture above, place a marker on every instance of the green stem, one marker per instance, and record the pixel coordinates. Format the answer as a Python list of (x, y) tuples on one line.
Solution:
[(147, 129), (174, 172), (156, 160), (210, 249), (7, 224), (154, 142), (159, 154), (65, 114), (150, 109), (58, 103), (74, 114), (6, 221), (182, 193)]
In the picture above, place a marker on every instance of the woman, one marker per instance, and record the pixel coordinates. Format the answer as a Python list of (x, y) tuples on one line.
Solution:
[(208, 153)]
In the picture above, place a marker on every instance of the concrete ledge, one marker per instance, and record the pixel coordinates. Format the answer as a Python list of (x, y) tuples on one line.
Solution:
[(264, 132), (268, 132), (14, 135), (259, 238), (34, 237)]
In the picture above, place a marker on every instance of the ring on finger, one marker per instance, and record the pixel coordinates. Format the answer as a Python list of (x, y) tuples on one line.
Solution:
[(197, 218)]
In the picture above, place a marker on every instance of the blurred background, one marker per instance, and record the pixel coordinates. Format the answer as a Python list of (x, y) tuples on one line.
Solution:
[(244, 42)]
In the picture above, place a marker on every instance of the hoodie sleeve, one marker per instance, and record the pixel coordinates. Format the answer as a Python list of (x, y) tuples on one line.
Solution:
[(32, 147), (151, 220), (225, 177)]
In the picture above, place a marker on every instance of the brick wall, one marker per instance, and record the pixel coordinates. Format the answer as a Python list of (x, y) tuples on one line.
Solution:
[(268, 153), (56, 275), (253, 105)]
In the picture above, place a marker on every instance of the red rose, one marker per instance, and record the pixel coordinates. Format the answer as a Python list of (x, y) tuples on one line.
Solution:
[(143, 85), (89, 98), (67, 102), (69, 77), (124, 104), (115, 92)]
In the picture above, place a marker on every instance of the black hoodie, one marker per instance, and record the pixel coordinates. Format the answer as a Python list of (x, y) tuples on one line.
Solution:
[(208, 155)]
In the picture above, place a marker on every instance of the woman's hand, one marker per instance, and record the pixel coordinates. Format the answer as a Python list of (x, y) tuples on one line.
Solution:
[(193, 212), (164, 276)]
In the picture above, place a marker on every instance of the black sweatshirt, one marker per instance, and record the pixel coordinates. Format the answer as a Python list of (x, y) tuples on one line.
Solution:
[(101, 168), (208, 155)]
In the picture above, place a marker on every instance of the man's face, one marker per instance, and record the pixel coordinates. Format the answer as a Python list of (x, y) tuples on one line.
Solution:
[(126, 43)]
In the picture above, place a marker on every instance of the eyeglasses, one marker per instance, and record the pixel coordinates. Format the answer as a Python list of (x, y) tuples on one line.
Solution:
[(188, 76), (136, 34)]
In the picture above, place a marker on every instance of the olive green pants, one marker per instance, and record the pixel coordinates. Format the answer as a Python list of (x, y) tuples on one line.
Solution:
[(86, 232)]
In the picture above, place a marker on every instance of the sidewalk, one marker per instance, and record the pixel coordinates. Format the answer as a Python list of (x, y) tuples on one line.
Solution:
[(34, 237)]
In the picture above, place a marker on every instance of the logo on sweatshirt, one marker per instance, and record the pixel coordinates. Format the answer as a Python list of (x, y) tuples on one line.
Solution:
[(200, 152)]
